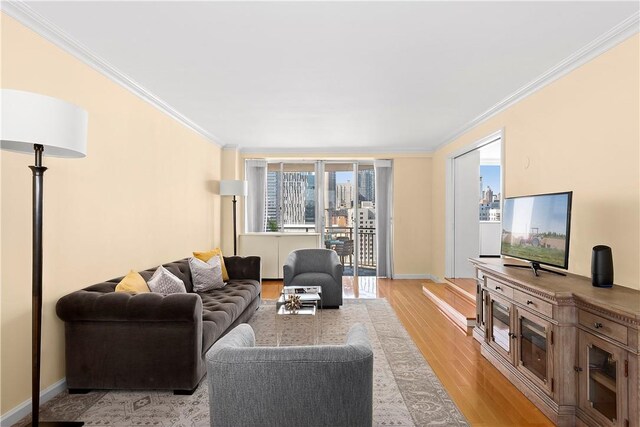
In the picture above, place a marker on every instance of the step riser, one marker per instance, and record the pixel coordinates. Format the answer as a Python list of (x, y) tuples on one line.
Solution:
[(463, 323)]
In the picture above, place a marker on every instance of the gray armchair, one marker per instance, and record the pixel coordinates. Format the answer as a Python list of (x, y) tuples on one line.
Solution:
[(327, 385), (313, 267)]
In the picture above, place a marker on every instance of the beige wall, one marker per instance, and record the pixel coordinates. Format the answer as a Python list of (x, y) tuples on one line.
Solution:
[(412, 216), (580, 133), (143, 195), (230, 169), (412, 204)]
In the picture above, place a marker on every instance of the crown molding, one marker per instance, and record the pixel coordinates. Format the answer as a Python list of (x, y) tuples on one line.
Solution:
[(603, 43), (336, 150), (28, 17)]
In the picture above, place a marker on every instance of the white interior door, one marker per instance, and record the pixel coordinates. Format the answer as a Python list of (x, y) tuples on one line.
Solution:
[(466, 212)]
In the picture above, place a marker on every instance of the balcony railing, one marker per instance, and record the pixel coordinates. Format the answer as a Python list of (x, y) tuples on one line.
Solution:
[(342, 240), (335, 236)]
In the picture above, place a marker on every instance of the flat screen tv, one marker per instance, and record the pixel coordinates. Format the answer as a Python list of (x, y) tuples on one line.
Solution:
[(536, 229)]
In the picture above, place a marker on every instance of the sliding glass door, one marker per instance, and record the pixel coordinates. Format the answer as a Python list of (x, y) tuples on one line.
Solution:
[(366, 220), (335, 199), (338, 232), (349, 218)]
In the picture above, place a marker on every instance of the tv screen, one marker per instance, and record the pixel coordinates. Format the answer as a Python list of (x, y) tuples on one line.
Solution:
[(536, 228)]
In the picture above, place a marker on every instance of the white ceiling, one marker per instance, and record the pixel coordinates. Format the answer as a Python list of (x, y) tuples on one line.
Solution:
[(333, 76)]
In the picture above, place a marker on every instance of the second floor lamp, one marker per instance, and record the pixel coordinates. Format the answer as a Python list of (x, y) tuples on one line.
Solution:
[(234, 187)]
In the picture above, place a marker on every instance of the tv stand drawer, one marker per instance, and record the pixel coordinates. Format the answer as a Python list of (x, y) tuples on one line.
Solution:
[(602, 326), (499, 287), (533, 303)]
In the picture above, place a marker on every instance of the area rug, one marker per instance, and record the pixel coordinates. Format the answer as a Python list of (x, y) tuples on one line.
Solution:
[(406, 392)]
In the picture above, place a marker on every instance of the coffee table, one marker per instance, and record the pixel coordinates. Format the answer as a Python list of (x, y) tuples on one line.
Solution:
[(311, 299)]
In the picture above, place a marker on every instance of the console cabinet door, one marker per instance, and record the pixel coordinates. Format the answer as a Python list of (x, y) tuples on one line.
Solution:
[(534, 352), (602, 386), (499, 325)]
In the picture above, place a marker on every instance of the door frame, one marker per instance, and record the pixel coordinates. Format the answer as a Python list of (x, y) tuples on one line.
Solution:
[(498, 135)]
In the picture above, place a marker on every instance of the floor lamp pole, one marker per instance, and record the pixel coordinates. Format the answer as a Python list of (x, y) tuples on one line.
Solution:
[(36, 309), (235, 235), (36, 305)]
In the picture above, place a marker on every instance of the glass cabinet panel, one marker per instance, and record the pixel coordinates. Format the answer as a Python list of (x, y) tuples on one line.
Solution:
[(602, 385), (533, 348), (500, 329)]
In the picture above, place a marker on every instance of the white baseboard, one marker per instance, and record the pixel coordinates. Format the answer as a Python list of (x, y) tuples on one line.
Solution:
[(427, 276), (435, 278), (411, 276), (24, 409)]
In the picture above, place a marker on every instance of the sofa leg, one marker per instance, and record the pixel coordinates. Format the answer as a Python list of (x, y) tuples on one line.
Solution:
[(185, 392), (79, 390)]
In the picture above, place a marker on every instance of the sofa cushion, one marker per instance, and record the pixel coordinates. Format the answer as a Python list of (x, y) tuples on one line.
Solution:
[(206, 276), (133, 283), (311, 279), (222, 306), (165, 282), (180, 269), (206, 256)]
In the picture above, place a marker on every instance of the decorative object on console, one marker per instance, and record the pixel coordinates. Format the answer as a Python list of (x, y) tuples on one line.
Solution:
[(234, 187), (51, 127), (602, 267)]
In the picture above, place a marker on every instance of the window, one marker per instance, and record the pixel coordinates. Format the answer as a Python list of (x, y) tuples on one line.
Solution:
[(291, 200), (490, 192)]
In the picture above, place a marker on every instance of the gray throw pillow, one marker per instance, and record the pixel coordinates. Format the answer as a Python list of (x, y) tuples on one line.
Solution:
[(165, 282), (206, 275)]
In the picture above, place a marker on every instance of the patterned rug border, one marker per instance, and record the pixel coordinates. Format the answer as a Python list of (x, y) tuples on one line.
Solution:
[(424, 397), (420, 409)]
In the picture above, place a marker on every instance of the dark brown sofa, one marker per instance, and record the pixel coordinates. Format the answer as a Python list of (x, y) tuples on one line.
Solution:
[(115, 340)]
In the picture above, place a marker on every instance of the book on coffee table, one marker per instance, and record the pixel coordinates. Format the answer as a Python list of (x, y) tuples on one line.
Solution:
[(298, 290)]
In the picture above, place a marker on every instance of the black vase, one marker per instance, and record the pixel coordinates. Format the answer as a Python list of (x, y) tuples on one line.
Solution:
[(602, 267)]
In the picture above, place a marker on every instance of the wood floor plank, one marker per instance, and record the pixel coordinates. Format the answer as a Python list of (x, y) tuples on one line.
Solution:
[(483, 394)]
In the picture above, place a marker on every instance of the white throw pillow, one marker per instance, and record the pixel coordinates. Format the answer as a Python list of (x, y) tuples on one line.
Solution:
[(165, 282), (206, 275)]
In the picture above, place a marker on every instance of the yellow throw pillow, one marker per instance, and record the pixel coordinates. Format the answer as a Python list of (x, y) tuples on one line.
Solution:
[(132, 283), (206, 256)]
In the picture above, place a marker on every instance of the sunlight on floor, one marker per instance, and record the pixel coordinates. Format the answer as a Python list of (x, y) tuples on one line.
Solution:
[(361, 287)]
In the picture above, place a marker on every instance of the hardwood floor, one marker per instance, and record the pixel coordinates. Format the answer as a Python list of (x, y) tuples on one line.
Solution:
[(483, 395)]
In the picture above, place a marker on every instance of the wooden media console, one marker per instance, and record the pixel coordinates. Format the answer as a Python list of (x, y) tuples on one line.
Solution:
[(571, 348)]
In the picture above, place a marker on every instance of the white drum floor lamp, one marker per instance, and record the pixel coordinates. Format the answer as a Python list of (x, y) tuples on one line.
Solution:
[(34, 123), (234, 187)]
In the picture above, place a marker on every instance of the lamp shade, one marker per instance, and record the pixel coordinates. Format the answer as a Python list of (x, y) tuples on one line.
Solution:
[(29, 118), (233, 187)]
